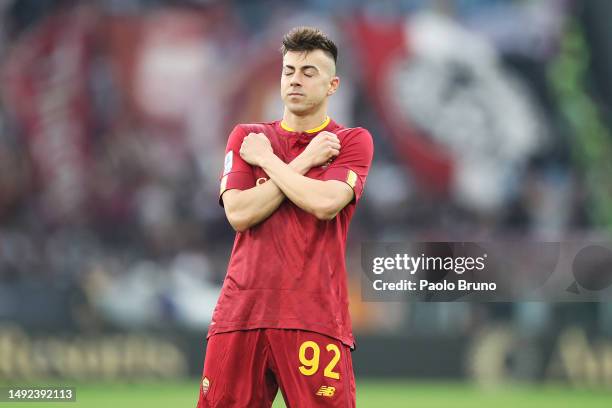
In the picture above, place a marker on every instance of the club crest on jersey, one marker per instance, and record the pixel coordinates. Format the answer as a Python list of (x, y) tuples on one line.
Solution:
[(229, 162), (205, 385)]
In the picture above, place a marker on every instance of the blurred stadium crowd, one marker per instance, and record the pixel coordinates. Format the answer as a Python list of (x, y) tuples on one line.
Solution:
[(491, 120)]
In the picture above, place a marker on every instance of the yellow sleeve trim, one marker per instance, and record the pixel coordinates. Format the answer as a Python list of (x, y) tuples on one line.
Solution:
[(351, 178)]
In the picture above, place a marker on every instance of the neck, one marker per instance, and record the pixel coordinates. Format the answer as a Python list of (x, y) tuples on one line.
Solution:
[(303, 123)]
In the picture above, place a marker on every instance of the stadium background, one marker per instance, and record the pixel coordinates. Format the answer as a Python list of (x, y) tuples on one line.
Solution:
[(491, 121)]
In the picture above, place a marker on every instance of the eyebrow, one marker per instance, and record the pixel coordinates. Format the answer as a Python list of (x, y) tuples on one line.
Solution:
[(303, 68)]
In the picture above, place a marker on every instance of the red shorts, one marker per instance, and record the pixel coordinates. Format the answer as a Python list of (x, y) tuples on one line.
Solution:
[(245, 369)]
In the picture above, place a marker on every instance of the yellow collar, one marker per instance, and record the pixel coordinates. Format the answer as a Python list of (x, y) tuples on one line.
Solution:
[(313, 130)]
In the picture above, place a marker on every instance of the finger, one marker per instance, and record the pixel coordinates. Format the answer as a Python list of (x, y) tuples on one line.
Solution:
[(321, 137), (334, 145), (334, 152)]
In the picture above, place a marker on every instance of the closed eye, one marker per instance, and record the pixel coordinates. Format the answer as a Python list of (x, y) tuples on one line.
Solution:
[(310, 71)]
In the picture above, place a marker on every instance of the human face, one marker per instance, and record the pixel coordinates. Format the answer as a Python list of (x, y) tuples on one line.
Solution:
[(307, 79)]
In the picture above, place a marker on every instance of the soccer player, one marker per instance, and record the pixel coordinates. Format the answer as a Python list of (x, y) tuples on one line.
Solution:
[(289, 189)]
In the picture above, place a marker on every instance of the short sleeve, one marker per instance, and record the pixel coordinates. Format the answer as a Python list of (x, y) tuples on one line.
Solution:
[(237, 174), (353, 163)]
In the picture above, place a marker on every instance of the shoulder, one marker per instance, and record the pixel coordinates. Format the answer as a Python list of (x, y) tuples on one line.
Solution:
[(257, 127), (354, 135)]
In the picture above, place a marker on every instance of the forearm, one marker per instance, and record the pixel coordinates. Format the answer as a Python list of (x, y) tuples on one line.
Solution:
[(312, 196), (247, 208), (250, 207)]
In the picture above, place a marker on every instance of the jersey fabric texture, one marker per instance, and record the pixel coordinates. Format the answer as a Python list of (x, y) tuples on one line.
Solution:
[(288, 272)]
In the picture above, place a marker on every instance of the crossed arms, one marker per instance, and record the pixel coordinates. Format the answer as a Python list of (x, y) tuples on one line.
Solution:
[(323, 199)]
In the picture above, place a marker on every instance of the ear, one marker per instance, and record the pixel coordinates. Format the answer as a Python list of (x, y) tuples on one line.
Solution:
[(334, 83)]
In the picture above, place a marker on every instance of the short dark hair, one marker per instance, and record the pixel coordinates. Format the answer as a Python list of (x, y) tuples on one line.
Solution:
[(308, 39)]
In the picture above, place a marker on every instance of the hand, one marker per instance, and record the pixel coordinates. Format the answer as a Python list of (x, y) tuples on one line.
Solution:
[(322, 149), (255, 147)]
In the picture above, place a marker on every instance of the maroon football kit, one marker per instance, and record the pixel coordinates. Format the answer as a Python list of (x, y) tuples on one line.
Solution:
[(285, 292), (245, 368)]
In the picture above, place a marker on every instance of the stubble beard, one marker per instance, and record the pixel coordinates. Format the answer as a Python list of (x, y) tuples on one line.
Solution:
[(303, 109)]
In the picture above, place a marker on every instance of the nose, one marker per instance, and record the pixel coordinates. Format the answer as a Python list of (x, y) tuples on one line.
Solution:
[(296, 80)]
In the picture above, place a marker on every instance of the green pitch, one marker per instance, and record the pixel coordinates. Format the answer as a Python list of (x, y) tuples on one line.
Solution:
[(379, 394)]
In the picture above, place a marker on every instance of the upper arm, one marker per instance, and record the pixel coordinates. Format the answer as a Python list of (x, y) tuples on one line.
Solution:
[(352, 165), (237, 174)]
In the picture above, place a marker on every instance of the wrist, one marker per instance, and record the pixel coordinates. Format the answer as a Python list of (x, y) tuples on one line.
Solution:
[(265, 159), (301, 164)]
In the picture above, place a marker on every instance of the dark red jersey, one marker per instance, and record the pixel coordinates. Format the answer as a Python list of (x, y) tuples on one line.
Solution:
[(289, 271)]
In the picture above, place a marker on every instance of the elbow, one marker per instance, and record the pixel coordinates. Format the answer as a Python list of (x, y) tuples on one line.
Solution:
[(238, 222), (325, 216), (325, 211), (239, 227)]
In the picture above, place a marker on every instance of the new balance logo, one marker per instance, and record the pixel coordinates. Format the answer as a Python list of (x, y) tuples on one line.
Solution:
[(326, 391)]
